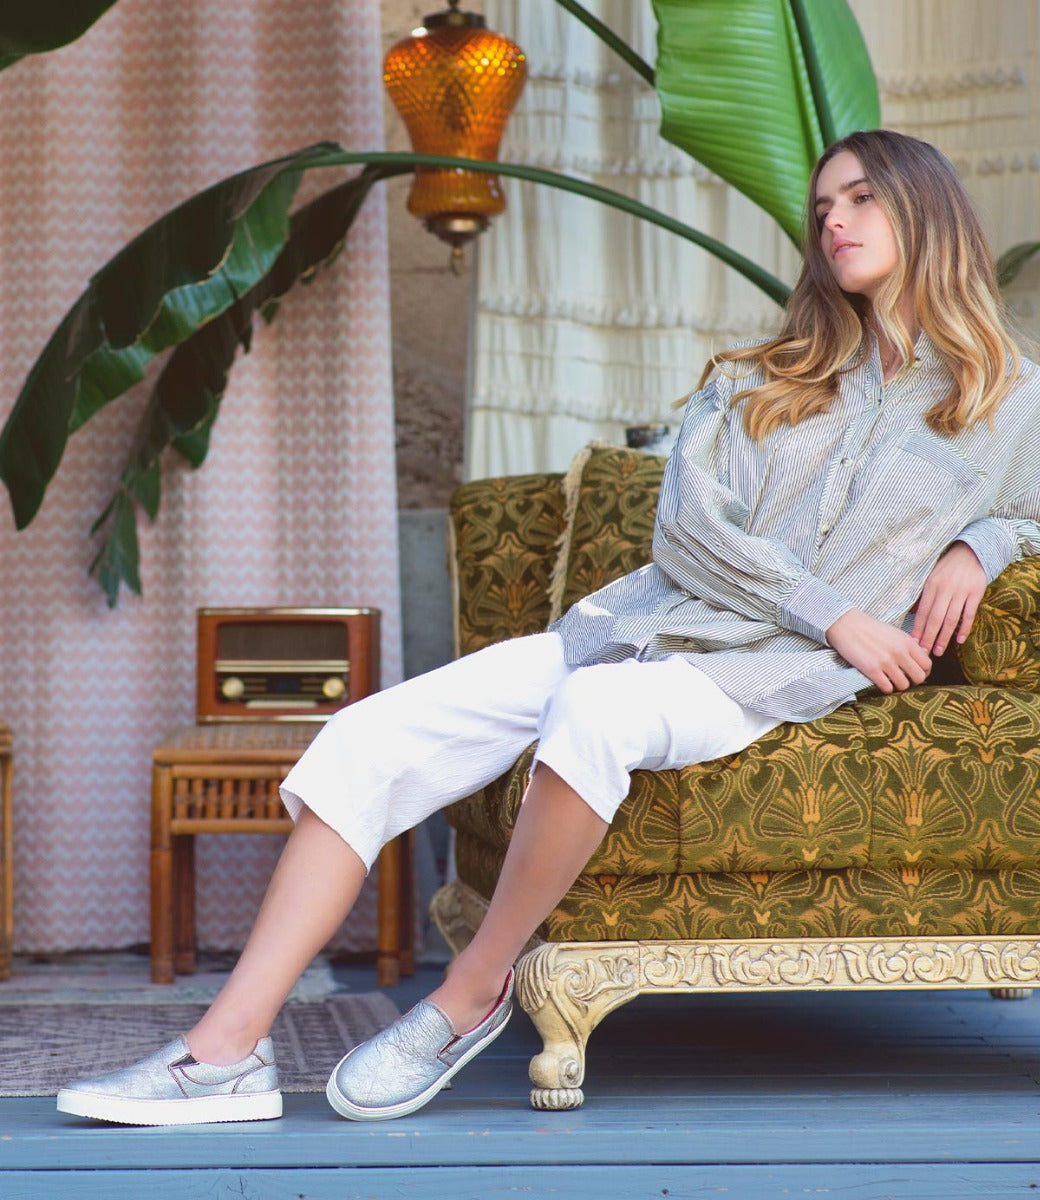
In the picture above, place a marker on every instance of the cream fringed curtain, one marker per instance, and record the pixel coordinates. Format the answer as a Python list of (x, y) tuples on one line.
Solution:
[(588, 320), (297, 503)]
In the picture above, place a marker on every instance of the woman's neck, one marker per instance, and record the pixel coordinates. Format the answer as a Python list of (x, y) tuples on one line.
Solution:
[(890, 352), (891, 359)]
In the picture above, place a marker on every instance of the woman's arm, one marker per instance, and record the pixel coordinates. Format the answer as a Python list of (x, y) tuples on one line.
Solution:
[(701, 539), (955, 586)]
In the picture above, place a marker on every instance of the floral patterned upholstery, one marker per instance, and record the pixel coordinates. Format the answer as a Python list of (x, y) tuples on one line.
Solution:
[(1003, 647), (914, 814), (505, 534)]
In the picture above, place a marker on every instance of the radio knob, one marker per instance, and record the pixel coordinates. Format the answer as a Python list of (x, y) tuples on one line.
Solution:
[(333, 688), (232, 688)]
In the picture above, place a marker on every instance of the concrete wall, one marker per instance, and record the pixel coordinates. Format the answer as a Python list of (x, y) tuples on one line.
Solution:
[(430, 308), (430, 313)]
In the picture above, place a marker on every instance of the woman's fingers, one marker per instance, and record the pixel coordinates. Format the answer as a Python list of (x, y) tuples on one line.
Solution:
[(949, 599), (971, 607), (887, 656), (950, 620), (931, 616), (944, 618), (910, 666), (920, 664)]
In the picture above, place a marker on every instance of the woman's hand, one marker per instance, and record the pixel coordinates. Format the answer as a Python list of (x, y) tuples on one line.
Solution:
[(891, 659), (949, 599)]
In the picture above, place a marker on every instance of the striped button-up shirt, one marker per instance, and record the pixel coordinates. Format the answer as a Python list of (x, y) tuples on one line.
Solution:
[(760, 547)]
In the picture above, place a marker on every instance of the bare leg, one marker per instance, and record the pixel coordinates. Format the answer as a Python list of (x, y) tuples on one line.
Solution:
[(556, 833), (320, 875), (313, 887)]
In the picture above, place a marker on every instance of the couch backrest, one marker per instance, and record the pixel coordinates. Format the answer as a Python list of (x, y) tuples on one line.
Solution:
[(611, 498), (505, 539), (1004, 646)]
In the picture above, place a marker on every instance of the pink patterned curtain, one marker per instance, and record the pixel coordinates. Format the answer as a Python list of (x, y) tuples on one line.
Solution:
[(297, 501)]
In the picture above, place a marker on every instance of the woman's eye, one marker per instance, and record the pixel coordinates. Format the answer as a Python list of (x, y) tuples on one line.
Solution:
[(862, 197)]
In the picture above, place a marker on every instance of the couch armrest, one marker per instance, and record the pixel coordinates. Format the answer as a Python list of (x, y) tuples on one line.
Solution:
[(1004, 645), (504, 534)]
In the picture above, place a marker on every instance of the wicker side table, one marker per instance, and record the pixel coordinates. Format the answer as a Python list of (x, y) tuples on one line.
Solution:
[(224, 779), (6, 854)]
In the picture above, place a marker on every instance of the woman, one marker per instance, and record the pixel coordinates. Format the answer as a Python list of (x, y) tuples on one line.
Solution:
[(835, 504)]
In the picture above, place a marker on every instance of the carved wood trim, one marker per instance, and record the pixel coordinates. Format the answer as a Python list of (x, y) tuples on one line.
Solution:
[(898, 963)]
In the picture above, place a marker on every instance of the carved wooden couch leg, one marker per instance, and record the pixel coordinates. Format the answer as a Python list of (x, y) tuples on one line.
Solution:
[(566, 990)]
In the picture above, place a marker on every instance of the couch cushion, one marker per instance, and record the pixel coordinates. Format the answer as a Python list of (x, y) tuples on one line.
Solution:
[(956, 777), (798, 797), (934, 777), (505, 534), (861, 902), (611, 500)]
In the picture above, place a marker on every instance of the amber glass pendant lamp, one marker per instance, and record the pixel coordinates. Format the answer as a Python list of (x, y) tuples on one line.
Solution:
[(454, 82)]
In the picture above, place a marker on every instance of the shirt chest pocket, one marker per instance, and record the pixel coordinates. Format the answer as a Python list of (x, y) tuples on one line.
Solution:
[(919, 495), (950, 468)]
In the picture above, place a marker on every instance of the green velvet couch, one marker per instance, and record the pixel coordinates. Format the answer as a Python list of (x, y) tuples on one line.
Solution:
[(892, 844)]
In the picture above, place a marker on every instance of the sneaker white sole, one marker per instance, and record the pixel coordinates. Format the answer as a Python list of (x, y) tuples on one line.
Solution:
[(354, 1112), (196, 1110)]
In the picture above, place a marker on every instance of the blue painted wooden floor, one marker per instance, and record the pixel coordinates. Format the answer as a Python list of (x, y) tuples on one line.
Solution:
[(897, 1095)]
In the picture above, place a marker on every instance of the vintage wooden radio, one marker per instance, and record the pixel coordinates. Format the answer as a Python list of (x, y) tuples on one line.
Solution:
[(285, 664)]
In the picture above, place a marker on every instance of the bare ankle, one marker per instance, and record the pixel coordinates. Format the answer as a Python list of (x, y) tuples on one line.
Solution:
[(219, 1048), (467, 996)]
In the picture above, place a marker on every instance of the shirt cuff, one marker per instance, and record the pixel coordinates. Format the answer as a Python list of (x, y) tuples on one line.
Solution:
[(812, 608), (994, 543)]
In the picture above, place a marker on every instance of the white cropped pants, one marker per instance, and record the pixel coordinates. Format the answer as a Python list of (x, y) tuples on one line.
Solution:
[(385, 763)]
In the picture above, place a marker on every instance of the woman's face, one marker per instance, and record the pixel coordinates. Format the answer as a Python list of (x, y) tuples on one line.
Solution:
[(855, 235)]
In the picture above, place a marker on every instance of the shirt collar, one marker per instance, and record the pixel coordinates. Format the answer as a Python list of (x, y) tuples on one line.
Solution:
[(925, 357)]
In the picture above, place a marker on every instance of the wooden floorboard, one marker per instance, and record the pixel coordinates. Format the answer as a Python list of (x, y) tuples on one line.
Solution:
[(576, 1183), (867, 1096)]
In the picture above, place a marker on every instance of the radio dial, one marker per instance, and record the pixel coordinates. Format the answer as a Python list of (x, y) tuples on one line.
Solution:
[(333, 688), (232, 688)]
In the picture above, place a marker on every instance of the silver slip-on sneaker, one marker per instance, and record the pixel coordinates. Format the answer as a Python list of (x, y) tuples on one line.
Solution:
[(170, 1088), (406, 1065)]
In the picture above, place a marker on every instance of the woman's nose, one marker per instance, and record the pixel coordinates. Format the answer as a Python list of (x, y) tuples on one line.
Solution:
[(834, 219)]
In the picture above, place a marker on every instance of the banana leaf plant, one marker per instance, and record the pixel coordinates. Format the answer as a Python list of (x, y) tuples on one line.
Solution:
[(44, 25), (1013, 260), (753, 89)]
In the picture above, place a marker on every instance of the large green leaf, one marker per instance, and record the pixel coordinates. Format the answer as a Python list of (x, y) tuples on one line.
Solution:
[(33, 26), (195, 279), (186, 398), (180, 273), (187, 268), (757, 89)]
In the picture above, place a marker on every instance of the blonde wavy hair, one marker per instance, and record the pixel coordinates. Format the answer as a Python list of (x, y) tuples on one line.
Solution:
[(945, 264)]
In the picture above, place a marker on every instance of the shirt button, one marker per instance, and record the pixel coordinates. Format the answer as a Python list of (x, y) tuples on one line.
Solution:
[(824, 530)]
